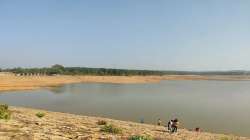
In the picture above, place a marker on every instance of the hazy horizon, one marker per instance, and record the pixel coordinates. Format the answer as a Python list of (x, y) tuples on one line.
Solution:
[(145, 34)]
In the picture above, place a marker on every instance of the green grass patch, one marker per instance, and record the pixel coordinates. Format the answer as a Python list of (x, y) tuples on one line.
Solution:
[(40, 114), (4, 112), (111, 129), (226, 138), (137, 137)]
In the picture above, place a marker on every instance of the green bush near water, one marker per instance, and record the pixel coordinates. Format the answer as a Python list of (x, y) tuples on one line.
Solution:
[(4, 112), (140, 138), (111, 129), (40, 114)]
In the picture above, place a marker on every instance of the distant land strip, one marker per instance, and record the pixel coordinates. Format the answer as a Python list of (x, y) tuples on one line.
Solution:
[(11, 81), (61, 70)]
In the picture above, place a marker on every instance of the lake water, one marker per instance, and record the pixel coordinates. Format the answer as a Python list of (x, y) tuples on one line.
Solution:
[(214, 106)]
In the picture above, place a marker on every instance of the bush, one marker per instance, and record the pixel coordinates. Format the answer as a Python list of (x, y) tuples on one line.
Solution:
[(4, 106), (40, 114), (101, 122), (111, 129), (4, 112), (140, 138), (226, 138)]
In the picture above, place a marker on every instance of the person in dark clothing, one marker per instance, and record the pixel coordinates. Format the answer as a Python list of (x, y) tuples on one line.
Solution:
[(174, 125), (197, 129), (170, 125)]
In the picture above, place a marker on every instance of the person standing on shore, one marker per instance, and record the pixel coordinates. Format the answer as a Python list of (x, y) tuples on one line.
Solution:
[(170, 123), (159, 122), (175, 125), (197, 129)]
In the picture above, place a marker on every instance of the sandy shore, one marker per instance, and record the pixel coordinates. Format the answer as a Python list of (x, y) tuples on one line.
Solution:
[(12, 82), (25, 125)]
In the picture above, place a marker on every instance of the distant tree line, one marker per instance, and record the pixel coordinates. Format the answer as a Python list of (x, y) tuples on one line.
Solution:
[(61, 70)]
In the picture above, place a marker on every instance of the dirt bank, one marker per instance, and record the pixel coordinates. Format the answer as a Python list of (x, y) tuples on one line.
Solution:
[(12, 82), (25, 125)]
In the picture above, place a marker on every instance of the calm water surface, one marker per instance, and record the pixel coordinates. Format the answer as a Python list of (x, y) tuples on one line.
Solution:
[(215, 106)]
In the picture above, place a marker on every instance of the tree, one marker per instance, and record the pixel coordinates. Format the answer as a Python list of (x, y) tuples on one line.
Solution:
[(56, 69), (57, 66)]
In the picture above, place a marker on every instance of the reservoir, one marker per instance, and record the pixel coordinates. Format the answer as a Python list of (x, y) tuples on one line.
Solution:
[(214, 106)]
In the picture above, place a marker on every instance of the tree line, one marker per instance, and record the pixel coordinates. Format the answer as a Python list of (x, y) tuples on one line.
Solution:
[(61, 70)]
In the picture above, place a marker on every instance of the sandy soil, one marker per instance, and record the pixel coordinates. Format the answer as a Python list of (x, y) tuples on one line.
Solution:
[(12, 82), (25, 125)]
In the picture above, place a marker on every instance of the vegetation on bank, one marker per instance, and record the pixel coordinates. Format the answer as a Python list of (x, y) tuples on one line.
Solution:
[(59, 69), (4, 112), (109, 128), (40, 114), (137, 137)]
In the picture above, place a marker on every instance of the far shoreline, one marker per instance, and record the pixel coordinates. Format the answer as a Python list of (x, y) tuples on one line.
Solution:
[(11, 82)]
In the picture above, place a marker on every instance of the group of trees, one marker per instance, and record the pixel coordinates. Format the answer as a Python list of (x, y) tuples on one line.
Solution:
[(55, 69), (59, 69)]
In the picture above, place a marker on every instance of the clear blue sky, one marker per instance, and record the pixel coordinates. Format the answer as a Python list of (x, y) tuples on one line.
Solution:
[(135, 34)]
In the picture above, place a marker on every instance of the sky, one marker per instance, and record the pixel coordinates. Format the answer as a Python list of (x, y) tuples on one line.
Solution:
[(133, 34)]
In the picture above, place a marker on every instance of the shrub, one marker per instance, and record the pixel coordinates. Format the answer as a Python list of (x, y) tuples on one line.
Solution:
[(101, 122), (111, 129), (4, 106), (140, 138), (40, 114), (4, 112), (226, 138)]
